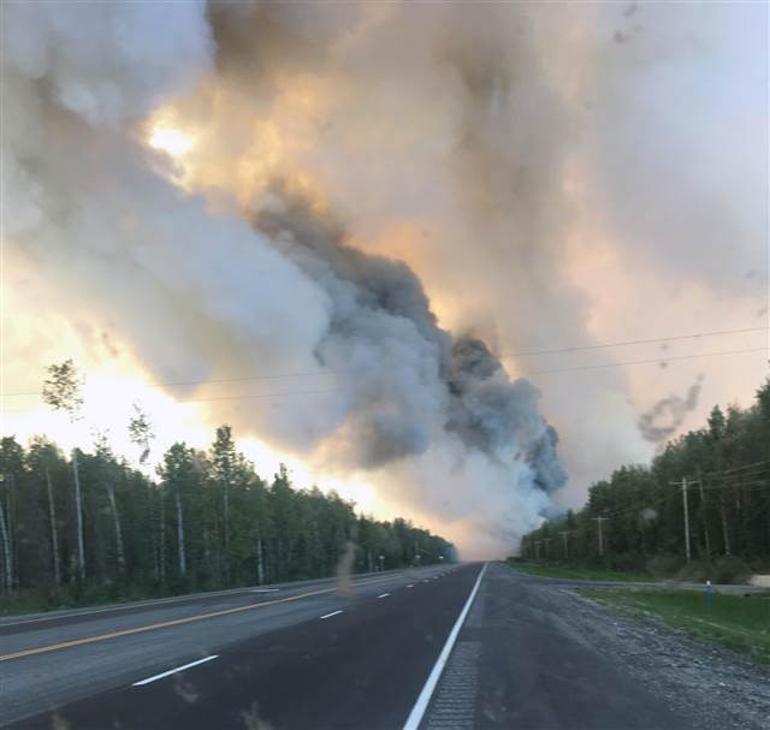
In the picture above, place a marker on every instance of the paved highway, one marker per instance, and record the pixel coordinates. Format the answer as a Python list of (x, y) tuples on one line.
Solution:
[(310, 656), (301, 656)]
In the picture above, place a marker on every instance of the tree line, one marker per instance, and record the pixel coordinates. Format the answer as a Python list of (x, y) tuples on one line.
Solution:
[(88, 525), (704, 498)]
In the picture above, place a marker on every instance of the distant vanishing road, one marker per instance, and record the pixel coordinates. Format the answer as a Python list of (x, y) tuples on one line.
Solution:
[(307, 656)]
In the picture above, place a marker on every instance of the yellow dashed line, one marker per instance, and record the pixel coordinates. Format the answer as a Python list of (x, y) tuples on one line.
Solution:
[(165, 624)]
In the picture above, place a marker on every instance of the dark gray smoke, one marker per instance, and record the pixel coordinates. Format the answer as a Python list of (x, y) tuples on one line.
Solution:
[(376, 299), (559, 186), (434, 422), (664, 419), (523, 170), (488, 409)]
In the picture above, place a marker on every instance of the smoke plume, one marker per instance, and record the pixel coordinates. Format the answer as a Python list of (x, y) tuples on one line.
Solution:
[(200, 293), (663, 420), (556, 174), (381, 206)]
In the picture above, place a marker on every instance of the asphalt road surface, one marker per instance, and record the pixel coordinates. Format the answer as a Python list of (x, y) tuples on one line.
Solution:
[(440, 647)]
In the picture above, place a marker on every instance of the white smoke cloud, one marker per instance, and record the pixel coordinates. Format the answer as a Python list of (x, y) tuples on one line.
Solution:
[(557, 174), (200, 294), (109, 62)]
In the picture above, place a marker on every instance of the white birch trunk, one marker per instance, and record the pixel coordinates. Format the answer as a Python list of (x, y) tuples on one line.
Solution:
[(54, 530), (7, 566), (118, 531), (79, 513), (162, 535), (260, 563), (180, 534)]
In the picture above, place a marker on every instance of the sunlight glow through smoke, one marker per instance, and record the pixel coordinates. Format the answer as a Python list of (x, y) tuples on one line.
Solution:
[(180, 209), (174, 142)]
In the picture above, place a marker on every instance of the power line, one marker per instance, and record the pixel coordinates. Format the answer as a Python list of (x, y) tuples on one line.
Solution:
[(646, 362), (754, 465), (668, 497), (332, 371), (638, 508), (756, 484), (621, 343), (256, 396), (214, 381), (533, 372)]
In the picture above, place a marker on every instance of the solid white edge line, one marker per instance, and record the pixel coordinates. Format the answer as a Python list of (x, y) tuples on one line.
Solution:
[(415, 716), (329, 615), (383, 595), (173, 671)]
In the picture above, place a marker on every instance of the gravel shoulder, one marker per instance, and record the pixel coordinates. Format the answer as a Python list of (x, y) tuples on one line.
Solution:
[(716, 687), (551, 657)]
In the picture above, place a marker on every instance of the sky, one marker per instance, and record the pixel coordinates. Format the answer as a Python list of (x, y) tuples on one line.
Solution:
[(207, 222)]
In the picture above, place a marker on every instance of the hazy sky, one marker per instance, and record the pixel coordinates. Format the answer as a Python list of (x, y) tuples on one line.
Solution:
[(559, 177)]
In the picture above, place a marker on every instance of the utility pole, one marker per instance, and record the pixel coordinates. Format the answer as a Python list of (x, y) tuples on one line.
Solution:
[(564, 534), (683, 484), (599, 521), (537, 549), (704, 515), (547, 542), (686, 519)]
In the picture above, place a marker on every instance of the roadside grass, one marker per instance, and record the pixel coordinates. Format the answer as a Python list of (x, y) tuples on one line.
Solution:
[(91, 595), (739, 623), (577, 573), (37, 601), (27, 602)]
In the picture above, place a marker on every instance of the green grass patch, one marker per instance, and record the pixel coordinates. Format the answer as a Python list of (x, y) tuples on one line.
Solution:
[(36, 601), (27, 602), (579, 573), (738, 622)]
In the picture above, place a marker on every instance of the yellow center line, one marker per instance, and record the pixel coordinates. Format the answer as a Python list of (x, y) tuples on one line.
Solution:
[(167, 624)]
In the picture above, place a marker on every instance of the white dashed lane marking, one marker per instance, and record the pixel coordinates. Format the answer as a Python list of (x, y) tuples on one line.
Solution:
[(329, 615), (156, 677)]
